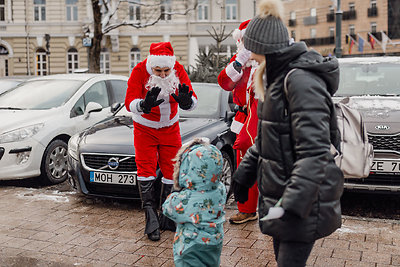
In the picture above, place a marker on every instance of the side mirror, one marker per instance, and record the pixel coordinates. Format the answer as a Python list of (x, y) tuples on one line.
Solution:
[(92, 107)]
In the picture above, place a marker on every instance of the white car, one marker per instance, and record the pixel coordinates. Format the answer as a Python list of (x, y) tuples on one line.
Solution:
[(38, 117)]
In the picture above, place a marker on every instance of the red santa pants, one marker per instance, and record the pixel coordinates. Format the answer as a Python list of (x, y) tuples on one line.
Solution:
[(154, 146), (250, 206)]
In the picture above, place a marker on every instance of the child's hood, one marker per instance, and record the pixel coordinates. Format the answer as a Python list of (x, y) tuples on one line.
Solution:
[(198, 166)]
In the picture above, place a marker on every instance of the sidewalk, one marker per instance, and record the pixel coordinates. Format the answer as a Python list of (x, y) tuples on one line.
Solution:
[(40, 227)]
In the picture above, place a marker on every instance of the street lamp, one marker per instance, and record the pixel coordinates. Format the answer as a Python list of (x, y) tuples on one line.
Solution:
[(339, 13), (87, 42), (47, 38)]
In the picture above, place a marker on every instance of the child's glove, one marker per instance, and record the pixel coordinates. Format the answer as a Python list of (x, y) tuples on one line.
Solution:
[(184, 98), (150, 100), (240, 192)]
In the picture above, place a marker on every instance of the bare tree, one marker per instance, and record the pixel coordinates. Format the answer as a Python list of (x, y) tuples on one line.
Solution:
[(105, 19), (219, 37)]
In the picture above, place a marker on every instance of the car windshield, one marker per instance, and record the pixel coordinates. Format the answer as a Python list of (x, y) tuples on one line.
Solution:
[(208, 104), (39, 94), (369, 79), (8, 84)]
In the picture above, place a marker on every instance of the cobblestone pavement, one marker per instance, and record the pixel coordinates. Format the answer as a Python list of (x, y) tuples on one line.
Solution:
[(41, 227)]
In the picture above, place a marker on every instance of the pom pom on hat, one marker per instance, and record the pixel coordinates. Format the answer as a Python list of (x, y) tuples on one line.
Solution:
[(266, 33), (161, 55), (238, 33)]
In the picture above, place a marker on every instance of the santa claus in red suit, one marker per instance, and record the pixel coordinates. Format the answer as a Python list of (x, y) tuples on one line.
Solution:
[(237, 77), (156, 88)]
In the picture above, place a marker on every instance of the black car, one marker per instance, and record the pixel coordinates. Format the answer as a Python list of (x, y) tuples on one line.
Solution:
[(101, 159)]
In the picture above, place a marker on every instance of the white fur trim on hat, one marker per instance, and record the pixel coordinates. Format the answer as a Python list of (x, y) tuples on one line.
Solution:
[(161, 61), (238, 34)]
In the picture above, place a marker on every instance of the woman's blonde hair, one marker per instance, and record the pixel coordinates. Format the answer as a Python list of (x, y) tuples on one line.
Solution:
[(259, 81)]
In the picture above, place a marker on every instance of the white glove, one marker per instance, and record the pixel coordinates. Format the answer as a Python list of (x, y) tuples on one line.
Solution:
[(274, 212), (243, 56)]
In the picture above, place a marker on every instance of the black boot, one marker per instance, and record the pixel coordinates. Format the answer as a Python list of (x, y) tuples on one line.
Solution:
[(152, 229), (165, 222)]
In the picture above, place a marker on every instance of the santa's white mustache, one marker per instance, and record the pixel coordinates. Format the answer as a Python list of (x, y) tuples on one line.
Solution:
[(168, 84)]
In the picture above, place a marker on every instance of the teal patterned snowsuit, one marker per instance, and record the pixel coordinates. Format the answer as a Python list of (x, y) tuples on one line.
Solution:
[(198, 209)]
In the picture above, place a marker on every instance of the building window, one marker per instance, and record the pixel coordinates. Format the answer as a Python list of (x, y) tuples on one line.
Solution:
[(331, 31), (105, 61), (352, 7), (202, 10), (39, 7), (292, 15), (373, 26), (165, 8), (373, 3), (134, 12), (331, 9), (134, 58), (41, 62), (352, 29), (72, 10), (313, 32), (313, 12), (2, 11), (231, 10), (72, 60)]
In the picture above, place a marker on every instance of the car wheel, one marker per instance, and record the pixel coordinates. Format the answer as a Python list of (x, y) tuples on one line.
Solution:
[(227, 173), (54, 163)]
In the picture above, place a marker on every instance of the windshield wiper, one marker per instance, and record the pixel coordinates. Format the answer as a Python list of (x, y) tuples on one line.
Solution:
[(11, 108)]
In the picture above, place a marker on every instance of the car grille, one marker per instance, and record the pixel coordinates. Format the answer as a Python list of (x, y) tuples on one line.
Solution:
[(115, 191), (385, 142), (377, 179), (100, 161)]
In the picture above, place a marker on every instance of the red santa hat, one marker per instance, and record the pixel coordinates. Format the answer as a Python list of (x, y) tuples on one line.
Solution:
[(238, 33), (161, 55)]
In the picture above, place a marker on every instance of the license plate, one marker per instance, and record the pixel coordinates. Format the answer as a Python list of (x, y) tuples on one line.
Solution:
[(388, 166), (113, 178)]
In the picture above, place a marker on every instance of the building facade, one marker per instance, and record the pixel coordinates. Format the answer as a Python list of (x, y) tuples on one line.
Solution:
[(368, 27), (41, 37)]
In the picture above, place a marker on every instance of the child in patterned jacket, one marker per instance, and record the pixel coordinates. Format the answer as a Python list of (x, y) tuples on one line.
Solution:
[(198, 206)]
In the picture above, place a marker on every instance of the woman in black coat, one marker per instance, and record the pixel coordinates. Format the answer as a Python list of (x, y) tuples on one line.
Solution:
[(291, 157)]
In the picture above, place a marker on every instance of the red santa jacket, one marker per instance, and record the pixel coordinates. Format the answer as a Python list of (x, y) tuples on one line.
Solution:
[(231, 80), (166, 114)]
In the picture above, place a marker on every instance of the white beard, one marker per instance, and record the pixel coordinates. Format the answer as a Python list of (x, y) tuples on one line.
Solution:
[(168, 84)]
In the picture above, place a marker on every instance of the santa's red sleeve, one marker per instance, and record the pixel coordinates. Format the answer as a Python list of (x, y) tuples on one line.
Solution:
[(228, 77), (184, 79), (135, 91)]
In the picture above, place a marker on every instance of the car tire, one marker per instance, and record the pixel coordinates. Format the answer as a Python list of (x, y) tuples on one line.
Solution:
[(227, 172), (54, 163)]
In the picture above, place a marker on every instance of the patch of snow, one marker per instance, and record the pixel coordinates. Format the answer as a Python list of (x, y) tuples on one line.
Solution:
[(352, 229), (55, 196), (375, 102)]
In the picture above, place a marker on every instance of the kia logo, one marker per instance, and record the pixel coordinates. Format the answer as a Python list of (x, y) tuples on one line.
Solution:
[(113, 163), (382, 127)]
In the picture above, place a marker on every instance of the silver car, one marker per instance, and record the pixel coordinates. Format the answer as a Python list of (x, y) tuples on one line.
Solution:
[(373, 85), (38, 117)]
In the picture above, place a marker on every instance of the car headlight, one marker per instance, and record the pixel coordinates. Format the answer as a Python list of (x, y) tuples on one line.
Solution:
[(73, 146), (21, 133)]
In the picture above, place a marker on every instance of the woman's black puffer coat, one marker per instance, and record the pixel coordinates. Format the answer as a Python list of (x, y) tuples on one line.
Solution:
[(291, 156)]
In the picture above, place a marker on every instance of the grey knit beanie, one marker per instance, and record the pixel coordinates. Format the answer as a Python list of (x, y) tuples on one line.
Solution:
[(266, 33)]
